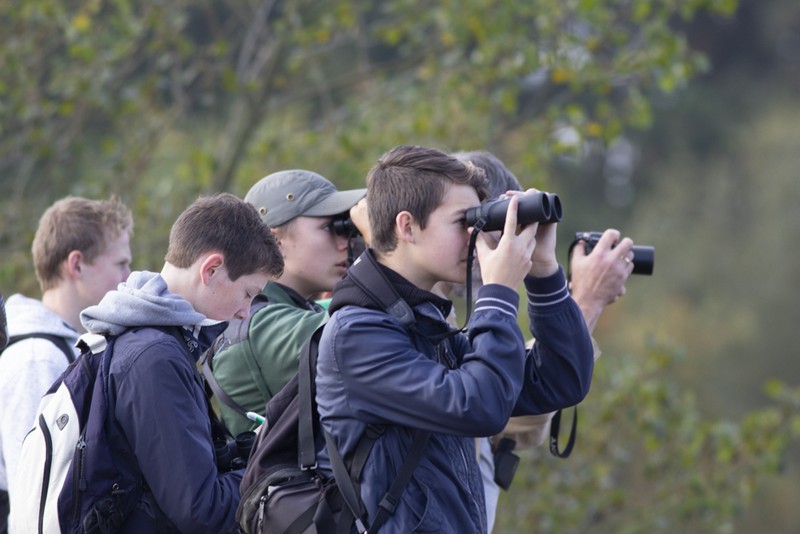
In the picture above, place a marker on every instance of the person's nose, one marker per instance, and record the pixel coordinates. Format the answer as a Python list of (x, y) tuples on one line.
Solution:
[(243, 313)]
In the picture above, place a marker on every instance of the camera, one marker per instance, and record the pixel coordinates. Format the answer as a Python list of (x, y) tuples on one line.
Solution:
[(535, 207), (643, 257), (233, 454)]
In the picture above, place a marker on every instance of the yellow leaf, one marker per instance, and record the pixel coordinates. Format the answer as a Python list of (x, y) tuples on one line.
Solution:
[(82, 22), (560, 75)]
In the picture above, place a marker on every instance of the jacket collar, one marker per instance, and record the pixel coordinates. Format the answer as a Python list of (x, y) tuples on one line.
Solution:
[(347, 292)]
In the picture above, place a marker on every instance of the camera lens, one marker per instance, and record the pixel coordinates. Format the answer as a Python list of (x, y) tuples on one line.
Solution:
[(644, 259)]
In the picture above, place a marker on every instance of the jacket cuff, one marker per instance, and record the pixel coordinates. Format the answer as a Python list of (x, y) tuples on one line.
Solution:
[(497, 297), (548, 290)]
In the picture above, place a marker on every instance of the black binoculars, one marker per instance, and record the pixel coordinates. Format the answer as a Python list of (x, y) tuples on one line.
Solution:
[(644, 257), (534, 207), (344, 227), (233, 454)]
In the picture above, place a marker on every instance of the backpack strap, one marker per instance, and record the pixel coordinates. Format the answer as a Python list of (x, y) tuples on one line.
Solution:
[(211, 380), (306, 393), (391, 499), (58, 341), (367, 275), (239, 331), (3, 343), (95, 343), (307, 458)]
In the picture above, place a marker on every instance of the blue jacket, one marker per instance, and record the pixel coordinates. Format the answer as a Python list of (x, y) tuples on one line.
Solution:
[(161, 431), (371, 370)]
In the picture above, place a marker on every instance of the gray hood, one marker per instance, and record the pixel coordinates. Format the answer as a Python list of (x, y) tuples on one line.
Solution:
[(142, 300), (27, 315)]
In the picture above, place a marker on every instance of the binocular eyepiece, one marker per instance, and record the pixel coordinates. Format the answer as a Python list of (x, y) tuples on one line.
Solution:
[(344, 227), (534, 207), (644, 257)]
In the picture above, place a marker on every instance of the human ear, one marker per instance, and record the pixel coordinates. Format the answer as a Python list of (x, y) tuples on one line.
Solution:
[(405, 225), (211, 266), (73, 264)]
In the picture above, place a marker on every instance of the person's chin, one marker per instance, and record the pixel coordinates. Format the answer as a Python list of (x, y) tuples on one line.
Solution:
[(458, 276)]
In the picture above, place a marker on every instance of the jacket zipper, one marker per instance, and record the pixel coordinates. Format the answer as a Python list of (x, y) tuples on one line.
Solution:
[(79, 484), (48, 448)]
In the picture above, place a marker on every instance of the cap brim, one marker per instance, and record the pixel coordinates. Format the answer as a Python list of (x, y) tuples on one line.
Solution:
[(336, 203)]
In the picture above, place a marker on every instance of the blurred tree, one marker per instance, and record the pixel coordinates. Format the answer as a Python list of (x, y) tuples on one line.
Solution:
[(649, 460), (98, 96), (162, 101)]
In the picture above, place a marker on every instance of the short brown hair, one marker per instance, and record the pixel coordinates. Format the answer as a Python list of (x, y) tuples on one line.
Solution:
[(76, 223), (229, 225), (498, 177), (413, 179)]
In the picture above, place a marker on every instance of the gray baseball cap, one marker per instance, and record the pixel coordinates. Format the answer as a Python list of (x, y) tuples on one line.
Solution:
[(284, 195)]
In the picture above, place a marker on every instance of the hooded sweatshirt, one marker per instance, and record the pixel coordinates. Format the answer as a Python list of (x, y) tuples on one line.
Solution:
[(161, 430), (27, 369)]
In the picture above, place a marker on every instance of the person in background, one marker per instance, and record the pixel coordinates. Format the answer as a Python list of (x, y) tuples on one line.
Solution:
[(598, 279), (81, 250), (301, 208)]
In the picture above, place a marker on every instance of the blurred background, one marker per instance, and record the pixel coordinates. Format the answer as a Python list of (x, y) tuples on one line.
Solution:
[(675, 122)]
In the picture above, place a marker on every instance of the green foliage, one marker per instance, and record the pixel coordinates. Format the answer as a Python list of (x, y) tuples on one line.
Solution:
[(160, 102), (648, 460)]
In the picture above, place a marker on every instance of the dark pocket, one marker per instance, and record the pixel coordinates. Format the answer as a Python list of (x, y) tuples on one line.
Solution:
[(290, 505)]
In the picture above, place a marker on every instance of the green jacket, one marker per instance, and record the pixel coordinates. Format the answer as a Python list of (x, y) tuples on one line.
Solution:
[(255, 369)]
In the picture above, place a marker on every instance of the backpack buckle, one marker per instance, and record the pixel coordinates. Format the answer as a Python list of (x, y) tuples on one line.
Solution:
[(308, 467)]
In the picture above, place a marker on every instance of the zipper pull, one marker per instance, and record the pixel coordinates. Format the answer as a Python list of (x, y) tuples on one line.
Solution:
[(81, 446)]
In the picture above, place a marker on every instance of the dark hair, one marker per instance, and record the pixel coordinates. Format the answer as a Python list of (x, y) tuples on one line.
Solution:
[(76, 223), (413, 179), (498, 176), (229, 225)]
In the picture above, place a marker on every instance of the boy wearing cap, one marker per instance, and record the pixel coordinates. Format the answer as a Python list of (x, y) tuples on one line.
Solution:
[(259, 357)]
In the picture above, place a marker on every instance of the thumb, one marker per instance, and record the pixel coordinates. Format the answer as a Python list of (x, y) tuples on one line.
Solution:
[(484, 244)]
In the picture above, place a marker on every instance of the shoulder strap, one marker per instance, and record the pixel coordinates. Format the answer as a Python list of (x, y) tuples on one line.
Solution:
[(211, 380), (367, 275), (306, 393), (391, 499), (58, 341), (239, 333)]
